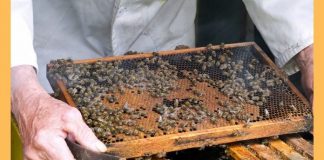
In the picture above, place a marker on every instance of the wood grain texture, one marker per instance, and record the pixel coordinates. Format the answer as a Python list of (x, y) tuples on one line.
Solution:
[(239, 152), (285, 150), (301, 145), (263, 152)]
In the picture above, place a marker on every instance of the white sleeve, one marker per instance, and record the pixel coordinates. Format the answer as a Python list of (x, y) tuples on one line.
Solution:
[(285, 25), (22, 50)]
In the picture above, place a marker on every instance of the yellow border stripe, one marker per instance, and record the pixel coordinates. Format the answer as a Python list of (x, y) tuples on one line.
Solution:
[(319, 80), (5, 82), (4, 79)]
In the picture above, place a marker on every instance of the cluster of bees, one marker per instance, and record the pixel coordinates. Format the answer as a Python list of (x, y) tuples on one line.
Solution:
[(183, 114), (237, 81), (244, 81), (108, 124), (154, 75), (91, 84)]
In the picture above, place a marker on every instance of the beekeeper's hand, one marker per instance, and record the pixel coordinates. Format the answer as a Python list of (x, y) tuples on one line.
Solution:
[(304, 60), (45, 122)]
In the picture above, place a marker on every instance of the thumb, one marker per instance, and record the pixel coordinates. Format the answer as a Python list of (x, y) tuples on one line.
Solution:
[(84, 136), (81, 133)]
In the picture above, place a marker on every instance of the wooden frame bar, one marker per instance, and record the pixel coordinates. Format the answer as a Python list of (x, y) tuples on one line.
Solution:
[(301, 145), (239, 152), (264, 152), (285, 150)]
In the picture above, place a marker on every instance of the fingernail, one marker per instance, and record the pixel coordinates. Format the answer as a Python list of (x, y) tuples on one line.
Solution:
[(101, 147)]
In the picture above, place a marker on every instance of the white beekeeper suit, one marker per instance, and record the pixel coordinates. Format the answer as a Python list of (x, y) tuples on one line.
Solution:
[(82, 29)]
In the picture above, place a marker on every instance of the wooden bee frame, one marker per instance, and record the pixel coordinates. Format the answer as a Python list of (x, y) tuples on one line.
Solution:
[(205, 136)]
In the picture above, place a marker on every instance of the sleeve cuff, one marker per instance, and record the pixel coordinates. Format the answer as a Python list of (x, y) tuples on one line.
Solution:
[(287, 61)]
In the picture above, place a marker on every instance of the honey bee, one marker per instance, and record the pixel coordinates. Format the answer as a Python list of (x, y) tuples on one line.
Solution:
[(197, 93), (176, 103), (251, 66), (255, 98), (293, 108), (223, 66), (247, 124), (266, 113), (213, 120), (281, 104), (222, 46), (237, 133), (161, 155), (156, 54), (187, 58), (222, 58), (204, 67), (181, 46), (270, 83), (259, 103)]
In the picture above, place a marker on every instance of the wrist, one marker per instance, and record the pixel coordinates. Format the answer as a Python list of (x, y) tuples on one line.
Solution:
[(25, 89), (24, 77)]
